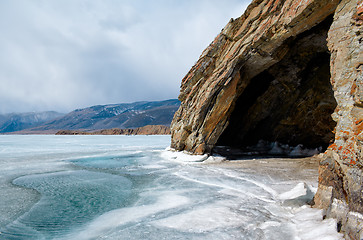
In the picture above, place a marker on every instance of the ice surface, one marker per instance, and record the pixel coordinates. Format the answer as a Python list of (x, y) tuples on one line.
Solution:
[(299, 150), (128, 187), (215, 159), (119, 217), (309, 226), (206, 218), (182, 157), (64, 202), (276, 148), (301, 189)]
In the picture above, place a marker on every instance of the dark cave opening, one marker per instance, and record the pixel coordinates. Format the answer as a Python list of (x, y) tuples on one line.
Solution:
[(289, 103)]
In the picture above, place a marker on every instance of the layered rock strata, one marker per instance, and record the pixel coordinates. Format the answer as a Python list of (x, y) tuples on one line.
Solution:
[(287, 71), (340, 172)]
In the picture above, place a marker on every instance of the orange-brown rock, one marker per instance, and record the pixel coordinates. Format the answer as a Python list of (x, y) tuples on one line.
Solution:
[(72, 132), (341, 175), (151, 130), (287, 71), (146, 130), (245, 48)]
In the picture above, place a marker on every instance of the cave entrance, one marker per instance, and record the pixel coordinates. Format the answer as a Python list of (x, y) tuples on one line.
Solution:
[(287, 105)]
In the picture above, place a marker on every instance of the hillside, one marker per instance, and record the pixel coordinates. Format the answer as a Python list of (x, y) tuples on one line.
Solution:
[(124, 115), (18, 121)]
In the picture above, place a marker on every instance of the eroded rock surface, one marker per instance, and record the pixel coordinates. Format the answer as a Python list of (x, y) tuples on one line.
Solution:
[(245, 48), (340, 173), (288, 71)]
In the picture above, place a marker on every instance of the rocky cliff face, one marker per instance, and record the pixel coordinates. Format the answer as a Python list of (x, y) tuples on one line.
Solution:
[(287, 71)]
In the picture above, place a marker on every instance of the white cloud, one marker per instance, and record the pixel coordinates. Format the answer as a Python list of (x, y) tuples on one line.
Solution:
[(61, 55)]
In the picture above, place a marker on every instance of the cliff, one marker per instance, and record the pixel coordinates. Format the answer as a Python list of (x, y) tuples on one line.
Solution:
[(288, 72), (145, 130)]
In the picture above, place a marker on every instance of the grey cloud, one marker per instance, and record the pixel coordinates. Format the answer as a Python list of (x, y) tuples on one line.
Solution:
[(62, 55)]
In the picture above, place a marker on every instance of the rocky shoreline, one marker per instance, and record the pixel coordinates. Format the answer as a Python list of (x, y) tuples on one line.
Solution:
[(146, 130)]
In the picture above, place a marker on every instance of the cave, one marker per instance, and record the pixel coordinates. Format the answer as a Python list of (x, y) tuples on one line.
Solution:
[(289, 103)]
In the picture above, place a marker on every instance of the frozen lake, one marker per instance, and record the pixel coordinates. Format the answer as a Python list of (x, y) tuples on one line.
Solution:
[(130, 187)]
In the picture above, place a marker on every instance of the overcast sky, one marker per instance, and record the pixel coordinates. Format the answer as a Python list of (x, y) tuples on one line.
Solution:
[(66, 54)]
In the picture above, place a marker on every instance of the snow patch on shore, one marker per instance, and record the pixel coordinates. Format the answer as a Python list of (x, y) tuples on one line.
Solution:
[(182, 157), (306, 222)]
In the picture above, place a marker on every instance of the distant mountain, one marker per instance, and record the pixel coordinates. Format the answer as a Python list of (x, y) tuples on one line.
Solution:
[(125, 115), (18, 121)]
